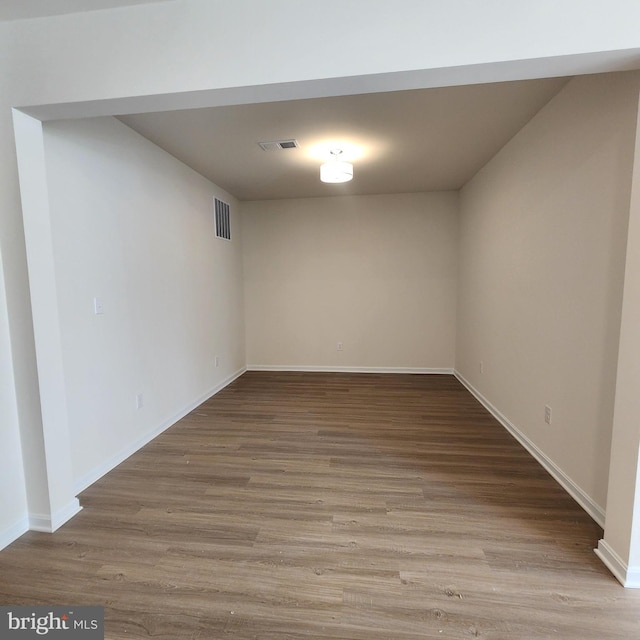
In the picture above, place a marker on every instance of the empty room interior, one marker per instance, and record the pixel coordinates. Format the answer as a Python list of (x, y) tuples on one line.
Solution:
[(244, 402)]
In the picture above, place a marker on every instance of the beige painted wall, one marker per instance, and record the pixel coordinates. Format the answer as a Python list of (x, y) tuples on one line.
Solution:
[(377, 273), (542, 251)]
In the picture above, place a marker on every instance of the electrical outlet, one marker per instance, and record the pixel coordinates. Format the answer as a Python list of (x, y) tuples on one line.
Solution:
[(547, 414), (216, 360), (339, 346), (98, 307), (481, 366), (139, 401)]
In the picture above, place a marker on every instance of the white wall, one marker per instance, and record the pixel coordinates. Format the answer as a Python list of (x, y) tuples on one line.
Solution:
[(188, 45), (377, 273), (134, 227), (13, 497), (542, 255)]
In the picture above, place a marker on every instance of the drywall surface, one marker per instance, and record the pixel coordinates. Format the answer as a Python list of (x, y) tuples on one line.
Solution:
[(13, 497), (375, 273), (542, 251), (133, 231), (622, 534), (207, 44)]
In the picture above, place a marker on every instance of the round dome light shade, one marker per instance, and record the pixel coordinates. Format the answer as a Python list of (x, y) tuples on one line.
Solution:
[(336, 171)]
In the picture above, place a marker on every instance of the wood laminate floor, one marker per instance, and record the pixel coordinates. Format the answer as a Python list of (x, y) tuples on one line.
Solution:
[(351, 507)]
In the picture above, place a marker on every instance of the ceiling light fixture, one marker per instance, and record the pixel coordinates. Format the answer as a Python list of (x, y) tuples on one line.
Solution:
[(336, 170)]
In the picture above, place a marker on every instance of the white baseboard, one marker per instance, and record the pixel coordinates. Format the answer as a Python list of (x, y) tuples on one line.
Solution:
[(628, 577), (49, 524), (13, 532), (593, 509), (332, 369), (95, 474)]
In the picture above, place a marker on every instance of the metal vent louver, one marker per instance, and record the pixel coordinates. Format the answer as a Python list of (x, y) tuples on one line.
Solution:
[(279, 145), (223, 222)]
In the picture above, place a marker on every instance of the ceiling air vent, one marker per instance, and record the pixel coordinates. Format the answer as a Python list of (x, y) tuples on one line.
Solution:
[(279, 145)]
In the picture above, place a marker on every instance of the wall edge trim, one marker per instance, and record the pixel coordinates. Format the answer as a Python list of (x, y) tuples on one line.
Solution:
[(50, 523), (629, 577), (594, 510), (89, 478), (335, 369)]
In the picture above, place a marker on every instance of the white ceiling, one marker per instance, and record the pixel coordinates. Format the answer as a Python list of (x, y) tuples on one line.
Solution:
[(408, 141), (23, 9)]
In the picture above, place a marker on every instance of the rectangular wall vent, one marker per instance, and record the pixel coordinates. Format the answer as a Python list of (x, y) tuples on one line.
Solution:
[(223, 222), (279, 145)]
